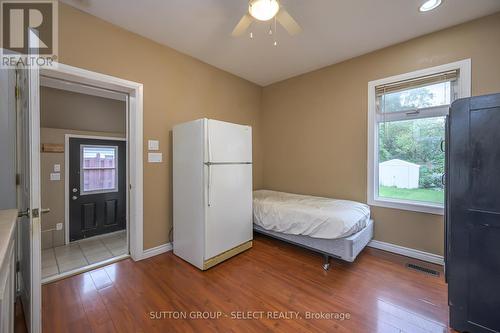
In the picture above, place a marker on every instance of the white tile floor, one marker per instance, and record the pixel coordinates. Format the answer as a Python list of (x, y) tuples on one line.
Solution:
[(82, 253)]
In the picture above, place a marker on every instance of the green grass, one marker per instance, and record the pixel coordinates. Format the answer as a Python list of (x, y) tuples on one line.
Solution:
[(418, 194)]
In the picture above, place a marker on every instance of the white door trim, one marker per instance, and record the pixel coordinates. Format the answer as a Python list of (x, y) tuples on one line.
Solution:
[(134, 138), (36, 232), (66, 178), (82, 89)]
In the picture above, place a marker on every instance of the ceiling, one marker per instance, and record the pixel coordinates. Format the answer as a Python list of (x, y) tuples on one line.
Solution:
[(333, 30)]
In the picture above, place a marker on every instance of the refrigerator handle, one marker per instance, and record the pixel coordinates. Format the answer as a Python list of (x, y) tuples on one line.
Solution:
[(209, 186)]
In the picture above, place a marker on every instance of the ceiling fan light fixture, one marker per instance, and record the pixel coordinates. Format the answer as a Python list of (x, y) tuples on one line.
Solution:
[(430, 5), (263, 10)]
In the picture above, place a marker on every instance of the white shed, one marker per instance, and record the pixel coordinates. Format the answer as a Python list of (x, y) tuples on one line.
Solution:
[(399, 173)]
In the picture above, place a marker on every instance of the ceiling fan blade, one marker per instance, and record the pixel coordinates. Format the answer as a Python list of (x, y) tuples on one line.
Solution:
[(242, 25), (287, 21)]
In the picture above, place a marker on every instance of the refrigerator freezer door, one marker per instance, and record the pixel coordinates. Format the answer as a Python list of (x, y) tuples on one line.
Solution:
[(228, 143), (229, 216)]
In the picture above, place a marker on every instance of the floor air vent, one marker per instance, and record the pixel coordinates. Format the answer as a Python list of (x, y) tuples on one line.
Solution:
[(422, 269)]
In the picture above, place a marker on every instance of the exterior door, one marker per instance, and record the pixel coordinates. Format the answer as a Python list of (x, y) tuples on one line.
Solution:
[(229, 207), (28, 192), (97, 187)]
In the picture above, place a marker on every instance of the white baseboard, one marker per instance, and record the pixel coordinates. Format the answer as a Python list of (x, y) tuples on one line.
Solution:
[(405, 251), (156, 251)]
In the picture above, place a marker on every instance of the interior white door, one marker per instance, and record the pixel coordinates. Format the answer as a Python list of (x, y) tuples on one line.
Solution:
[(228, 143), (229, 207), (29, 233)]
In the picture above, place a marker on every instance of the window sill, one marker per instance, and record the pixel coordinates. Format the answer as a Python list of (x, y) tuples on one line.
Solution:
[(405, 205)]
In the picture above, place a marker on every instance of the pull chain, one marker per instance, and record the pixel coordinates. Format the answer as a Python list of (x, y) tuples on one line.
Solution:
[(275, 32)]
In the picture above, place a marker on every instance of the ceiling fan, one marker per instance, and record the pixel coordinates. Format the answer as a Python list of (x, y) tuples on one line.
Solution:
[(266, 10)]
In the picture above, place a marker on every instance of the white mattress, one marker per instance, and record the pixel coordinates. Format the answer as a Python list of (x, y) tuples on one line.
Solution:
[(307, 215)]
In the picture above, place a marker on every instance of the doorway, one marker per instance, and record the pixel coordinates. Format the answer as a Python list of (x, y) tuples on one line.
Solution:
[(28, 150), (84, 177)]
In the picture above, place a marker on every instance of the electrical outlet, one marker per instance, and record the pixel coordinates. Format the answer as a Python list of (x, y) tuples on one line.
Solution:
[(59, 226)]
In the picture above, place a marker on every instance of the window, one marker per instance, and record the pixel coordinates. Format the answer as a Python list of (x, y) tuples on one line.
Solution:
[(99, 172), (407, 115)]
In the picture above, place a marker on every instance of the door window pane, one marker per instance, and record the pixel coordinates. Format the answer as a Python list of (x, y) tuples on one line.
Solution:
[(99, 169), (411, 162)]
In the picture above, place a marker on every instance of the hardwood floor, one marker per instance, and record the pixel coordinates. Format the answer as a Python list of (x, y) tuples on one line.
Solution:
[(377, 292), (20, 323)]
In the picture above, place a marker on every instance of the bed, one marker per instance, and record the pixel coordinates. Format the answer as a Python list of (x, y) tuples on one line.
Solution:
[(334, 228)]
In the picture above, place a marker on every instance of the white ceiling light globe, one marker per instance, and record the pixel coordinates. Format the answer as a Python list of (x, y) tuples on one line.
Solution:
[(263, 10), (430, 5)]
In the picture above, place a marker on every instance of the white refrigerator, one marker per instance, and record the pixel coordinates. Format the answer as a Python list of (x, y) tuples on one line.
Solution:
[(212, 191)]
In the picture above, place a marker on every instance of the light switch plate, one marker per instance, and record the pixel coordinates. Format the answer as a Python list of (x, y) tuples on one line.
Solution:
[(155, 157), (153, 145), (57, 167), (59, 226), (55, 176)]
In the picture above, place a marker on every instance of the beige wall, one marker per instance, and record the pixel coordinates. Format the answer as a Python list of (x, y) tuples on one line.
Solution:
[(311, 129), (177, 88), (315, 125), (53, 191), (66, 109)]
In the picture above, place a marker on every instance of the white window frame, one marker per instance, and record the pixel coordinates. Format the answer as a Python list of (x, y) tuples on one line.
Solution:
[(462, 90)]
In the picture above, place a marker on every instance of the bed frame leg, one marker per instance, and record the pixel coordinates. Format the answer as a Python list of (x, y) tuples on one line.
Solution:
[(326, 262)]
